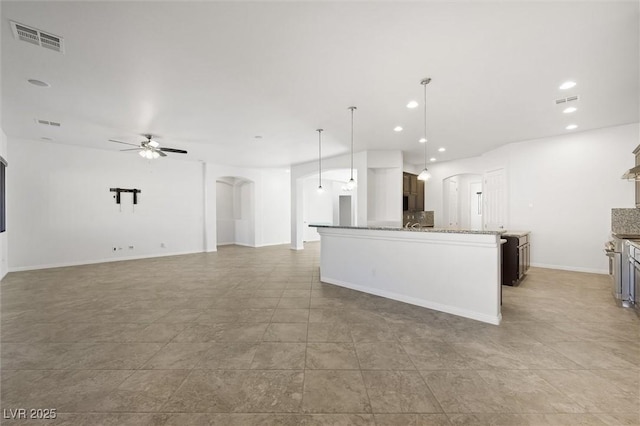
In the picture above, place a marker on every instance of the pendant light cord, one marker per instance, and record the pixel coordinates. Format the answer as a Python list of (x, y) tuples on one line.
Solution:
[(352, 108), (424, 82), (319, 157)]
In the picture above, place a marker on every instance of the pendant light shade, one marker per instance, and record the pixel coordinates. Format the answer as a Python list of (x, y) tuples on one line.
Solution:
[(351, 185), (320, 189), (424, 174)]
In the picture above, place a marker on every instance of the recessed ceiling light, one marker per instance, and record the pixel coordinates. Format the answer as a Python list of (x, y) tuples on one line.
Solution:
[(38, 83), (442, 149), (432, 159), (412, 104), (571, 126), (422, 140), (567, 85), (397, 129), (569, 110)]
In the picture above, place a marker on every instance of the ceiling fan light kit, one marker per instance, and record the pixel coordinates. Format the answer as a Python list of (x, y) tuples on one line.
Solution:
[(149, 149)]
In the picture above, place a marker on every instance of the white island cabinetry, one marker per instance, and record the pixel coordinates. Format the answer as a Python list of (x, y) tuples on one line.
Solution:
[(457, 272)]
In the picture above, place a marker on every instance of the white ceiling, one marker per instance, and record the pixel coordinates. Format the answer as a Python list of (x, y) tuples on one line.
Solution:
[(210, 76)]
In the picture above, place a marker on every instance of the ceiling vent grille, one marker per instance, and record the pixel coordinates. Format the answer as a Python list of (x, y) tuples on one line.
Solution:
[(37, 37), (566, 100), (48, 123)]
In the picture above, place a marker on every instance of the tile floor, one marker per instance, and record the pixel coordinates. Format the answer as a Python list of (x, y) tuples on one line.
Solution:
[(251, 337)]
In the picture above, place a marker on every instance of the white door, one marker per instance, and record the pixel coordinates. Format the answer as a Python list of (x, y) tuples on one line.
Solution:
[(475, 205), (453, 204), (495, 200)]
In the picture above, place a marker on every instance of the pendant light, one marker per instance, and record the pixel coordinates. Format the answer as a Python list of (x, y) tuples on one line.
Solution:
[(351, 185), (424, 174), (320, 189)]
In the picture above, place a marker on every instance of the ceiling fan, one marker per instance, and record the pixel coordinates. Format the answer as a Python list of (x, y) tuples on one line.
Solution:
[(149, 149)]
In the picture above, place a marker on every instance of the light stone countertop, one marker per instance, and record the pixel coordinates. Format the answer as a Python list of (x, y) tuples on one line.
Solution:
[(424, 229), (510, 233)]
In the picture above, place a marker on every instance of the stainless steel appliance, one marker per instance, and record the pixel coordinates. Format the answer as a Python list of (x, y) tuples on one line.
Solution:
[(618, 253)]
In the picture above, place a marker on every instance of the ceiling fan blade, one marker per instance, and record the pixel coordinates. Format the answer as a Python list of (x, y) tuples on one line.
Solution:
[(131, 149), (126, 143), (177, 151), (162, 154)]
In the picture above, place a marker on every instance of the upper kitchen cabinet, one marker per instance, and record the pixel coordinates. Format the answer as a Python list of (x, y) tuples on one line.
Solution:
[(412, 193)]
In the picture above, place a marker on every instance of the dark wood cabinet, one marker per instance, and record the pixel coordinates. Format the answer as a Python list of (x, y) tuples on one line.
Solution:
[(412, 193), (420, 196), (516, 258)]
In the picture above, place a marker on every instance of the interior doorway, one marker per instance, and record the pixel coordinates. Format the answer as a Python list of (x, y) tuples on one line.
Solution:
[(235, 211), (463, 201)]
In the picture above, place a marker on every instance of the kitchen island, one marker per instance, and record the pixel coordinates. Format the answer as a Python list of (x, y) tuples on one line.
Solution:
[(453, 271)]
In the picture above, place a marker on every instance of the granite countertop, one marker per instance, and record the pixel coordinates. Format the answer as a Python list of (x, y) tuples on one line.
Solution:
[(423, 229), (625, 236), (510, 233)]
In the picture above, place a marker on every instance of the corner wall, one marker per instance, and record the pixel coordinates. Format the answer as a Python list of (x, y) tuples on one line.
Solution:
[(60, 210), (560, 188)]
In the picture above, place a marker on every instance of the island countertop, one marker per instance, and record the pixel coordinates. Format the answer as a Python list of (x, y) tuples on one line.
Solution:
[(423, 229)]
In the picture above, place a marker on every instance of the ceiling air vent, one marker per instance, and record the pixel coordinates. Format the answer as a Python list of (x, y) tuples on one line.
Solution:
[(565, 100), (37, 37), (48, 123)]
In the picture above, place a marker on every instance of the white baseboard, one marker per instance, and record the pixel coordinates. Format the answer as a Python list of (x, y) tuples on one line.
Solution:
[(571, 268), (274, 244), (418, 302), (94, 261)]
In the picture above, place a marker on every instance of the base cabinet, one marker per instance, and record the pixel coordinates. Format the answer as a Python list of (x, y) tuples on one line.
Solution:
[(516, 259)]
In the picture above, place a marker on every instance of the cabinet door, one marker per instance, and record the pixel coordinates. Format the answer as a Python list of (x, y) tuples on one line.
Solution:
[(510, 261), (414, 184), (406, 186), (412, 203), (420, 200)]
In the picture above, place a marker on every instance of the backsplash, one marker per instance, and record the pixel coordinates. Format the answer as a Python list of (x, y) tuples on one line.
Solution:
[(625, 221), (422, 218)]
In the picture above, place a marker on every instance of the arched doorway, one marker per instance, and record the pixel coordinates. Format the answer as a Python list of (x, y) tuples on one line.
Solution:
[(235, 211)]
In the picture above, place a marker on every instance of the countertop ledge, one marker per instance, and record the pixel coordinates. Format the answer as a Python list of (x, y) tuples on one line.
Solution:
[(391, 228), (509, 233)]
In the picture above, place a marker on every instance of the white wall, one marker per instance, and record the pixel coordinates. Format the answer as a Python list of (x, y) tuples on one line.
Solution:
[(560, 188), (60, 210), (269, 224), (225, 219), (362, 161), (317, 206), (4, 247), (384, 198), (300, 172)]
